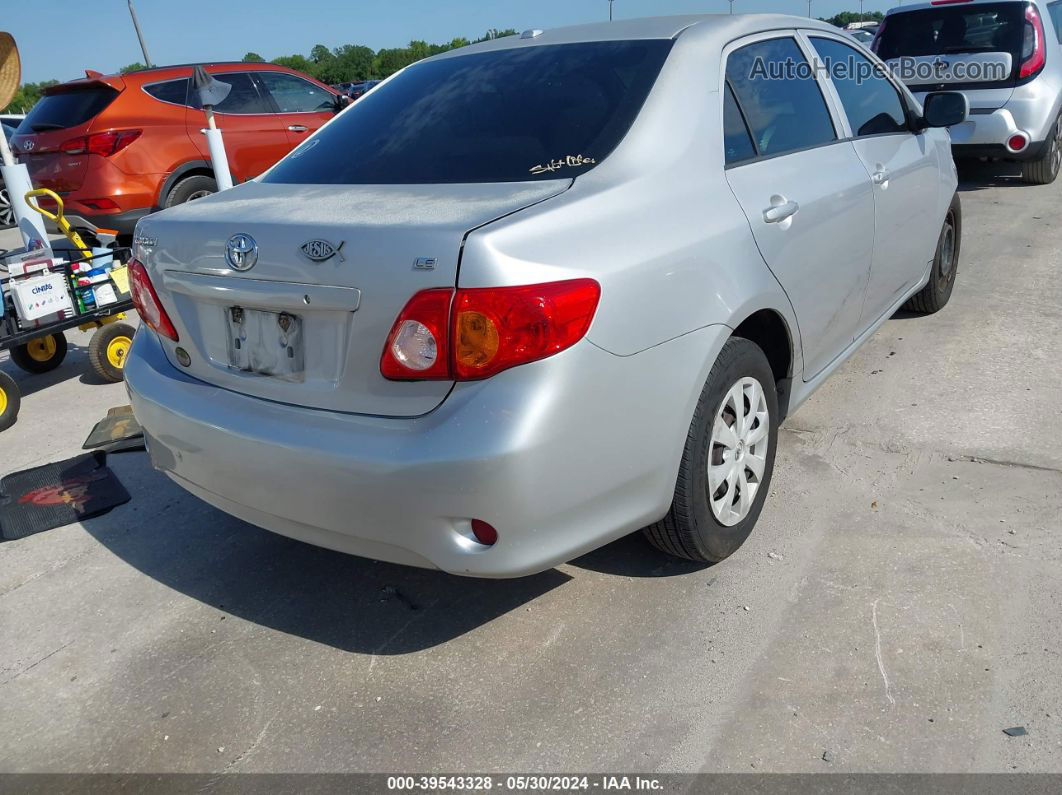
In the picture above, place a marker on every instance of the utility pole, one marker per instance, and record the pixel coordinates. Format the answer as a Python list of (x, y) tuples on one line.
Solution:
[(860, 10), (610, 10), (731, 6), (809, 9), (139, 35)]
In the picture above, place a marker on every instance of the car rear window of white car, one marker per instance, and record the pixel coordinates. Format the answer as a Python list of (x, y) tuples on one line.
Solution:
[(513, 115), (982, 27)]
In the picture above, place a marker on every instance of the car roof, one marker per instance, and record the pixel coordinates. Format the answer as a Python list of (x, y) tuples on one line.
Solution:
[(156, 74), (725, 27)]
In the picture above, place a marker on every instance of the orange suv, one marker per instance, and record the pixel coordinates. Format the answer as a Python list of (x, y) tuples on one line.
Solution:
[(118, 147)]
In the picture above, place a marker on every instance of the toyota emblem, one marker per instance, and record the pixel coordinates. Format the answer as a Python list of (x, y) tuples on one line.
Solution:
[(241, 252)]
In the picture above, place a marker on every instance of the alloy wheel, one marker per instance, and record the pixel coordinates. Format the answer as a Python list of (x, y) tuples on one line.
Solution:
[(737, 455), (7, 212)]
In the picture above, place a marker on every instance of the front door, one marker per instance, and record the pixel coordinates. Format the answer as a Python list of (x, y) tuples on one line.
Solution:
[(902, 166)]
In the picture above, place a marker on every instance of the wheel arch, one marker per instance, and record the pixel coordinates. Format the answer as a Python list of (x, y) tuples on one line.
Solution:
[(190, 169), (770, 330)]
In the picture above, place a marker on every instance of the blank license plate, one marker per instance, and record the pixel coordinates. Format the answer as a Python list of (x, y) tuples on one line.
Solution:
[(267, 343)]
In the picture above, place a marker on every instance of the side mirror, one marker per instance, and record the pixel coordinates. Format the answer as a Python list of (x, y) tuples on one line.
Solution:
[(945, 109), (342, 100)]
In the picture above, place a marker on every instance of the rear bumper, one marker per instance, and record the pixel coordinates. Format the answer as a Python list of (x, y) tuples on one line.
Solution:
[(561, 456), (998, 151)]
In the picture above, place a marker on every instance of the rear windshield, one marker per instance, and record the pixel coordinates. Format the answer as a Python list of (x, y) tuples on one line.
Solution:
[(67, 109), (519, 114), (985, 27)]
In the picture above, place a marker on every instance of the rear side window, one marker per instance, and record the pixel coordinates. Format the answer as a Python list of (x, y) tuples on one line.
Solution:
[(526, 113), (67, 109), (737, 143), (984, 27), (172, 91), (242, 99), (870, 101), (295, 95), (779, 96)]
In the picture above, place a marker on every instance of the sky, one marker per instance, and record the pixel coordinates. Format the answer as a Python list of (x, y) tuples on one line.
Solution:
[(98, 34)]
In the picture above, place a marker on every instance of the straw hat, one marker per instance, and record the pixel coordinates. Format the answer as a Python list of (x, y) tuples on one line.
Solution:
[(10, 69)]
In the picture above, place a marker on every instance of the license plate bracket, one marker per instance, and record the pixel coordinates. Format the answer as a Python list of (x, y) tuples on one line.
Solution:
[(265, 343)]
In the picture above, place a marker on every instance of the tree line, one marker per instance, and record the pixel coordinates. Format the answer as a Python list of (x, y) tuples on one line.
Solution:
[(347, 64)]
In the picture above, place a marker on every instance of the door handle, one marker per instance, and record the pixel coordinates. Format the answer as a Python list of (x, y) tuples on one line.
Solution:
[(779, 212), (880, 177), (298, 128)]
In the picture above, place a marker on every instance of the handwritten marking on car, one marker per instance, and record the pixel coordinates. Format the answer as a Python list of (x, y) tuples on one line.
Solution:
[(556, 165)]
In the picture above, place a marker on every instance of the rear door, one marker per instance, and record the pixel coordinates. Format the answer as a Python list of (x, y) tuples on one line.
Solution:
[(303, 106), (255, 136), (804, 190), (902, 165)]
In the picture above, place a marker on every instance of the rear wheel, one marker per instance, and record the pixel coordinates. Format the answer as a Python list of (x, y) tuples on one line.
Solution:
[(40, 355), (1044, 170), (727, 463), (937, 292), (108, 349), (10, 401), (191, 188)]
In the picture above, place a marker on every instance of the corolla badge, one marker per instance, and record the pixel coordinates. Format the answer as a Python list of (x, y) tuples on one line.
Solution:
[(320, 250), (241, 252)]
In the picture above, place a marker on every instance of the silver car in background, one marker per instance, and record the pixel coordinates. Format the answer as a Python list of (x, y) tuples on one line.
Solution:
[(531, 295), (1005, 56)]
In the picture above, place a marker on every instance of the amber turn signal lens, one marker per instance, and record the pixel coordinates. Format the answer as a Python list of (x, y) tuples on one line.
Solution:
[(477, 339)]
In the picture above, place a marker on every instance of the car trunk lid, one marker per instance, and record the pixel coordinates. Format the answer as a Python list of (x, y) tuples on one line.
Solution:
[(306, 323)]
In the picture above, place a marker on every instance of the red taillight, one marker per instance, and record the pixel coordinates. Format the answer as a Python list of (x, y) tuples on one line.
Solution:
[(147, 302), (486, 330), (103, 143), (1017, 142), (1032, 51), (417, 345), (496, 328)]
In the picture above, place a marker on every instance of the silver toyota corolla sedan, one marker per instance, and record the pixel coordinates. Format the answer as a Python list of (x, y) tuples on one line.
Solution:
[(531, 295)]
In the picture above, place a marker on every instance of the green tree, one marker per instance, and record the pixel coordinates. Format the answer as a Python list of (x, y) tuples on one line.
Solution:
[(26, 96), (133, 67), (253, 57), (297, 62), (847, 17)]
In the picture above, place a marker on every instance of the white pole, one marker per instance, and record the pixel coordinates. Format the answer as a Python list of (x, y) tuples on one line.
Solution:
[(217, 152), (30, 222)]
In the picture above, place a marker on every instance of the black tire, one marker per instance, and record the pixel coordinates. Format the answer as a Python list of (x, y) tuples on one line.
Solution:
[(29, 356), (10, 401), (690, 529), (108, 348), (937, 292), (1044, 170), (190, 188)]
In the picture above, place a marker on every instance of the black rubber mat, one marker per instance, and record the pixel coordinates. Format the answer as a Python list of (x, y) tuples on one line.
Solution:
[(118, 426), (58, 494)]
